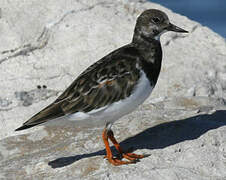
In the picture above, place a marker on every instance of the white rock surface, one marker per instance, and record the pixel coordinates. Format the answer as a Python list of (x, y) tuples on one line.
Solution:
[(184, 137), (49, 43)]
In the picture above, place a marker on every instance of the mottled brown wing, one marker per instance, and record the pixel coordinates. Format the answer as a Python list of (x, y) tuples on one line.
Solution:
[(95, 88), (108, 80)]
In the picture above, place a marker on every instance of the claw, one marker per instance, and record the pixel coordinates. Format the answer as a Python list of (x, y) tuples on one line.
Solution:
[(118, 162), (131, 157)]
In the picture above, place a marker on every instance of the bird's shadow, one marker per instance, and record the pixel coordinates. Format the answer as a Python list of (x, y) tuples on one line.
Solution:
[(160, 136)]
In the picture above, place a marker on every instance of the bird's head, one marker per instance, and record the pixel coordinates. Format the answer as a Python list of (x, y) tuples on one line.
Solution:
[(152, 23)]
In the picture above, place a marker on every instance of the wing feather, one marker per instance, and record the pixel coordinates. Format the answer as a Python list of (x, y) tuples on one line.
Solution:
[(107, 81)]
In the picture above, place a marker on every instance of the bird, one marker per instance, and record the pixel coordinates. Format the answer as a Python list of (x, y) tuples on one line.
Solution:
[(115, 85)]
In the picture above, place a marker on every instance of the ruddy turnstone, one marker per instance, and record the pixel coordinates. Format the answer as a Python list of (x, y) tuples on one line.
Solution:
[(115, 85)]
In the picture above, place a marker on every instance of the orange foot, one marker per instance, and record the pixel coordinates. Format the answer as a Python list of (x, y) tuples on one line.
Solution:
[(132, 157)]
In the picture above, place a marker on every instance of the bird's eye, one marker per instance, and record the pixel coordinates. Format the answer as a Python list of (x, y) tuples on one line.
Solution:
[(156, 19)]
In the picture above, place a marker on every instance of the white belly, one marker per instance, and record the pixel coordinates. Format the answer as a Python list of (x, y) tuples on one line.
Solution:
[(126, 106), (111, 113)]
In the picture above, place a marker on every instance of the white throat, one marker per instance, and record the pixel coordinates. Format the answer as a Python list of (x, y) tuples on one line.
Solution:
[(158, 36)]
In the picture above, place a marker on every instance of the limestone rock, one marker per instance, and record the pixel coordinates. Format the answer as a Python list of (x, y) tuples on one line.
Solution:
[(51, 43), (184, 137), (47, 44)]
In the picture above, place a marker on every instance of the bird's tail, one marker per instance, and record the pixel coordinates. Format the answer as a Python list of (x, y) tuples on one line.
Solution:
[(50, 112)]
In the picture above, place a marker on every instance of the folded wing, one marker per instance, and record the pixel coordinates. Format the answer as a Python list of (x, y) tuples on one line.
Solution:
[(108, 80)]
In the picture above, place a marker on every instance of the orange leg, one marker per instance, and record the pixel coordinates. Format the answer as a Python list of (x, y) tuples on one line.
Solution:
[(115, 161), (109, 156), (129, 156)]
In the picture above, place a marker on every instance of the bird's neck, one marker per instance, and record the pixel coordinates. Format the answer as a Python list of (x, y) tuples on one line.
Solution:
[(149, 47), (151, 51), (145, 40)]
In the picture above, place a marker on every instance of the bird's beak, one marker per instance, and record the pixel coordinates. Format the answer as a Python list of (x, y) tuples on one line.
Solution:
[(174, 28)]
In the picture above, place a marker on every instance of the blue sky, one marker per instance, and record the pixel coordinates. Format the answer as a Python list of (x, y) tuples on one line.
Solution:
[(211, 13)]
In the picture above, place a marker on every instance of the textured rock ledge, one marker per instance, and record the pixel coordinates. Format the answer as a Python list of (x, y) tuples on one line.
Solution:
[(184, 137), (49, 43)]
